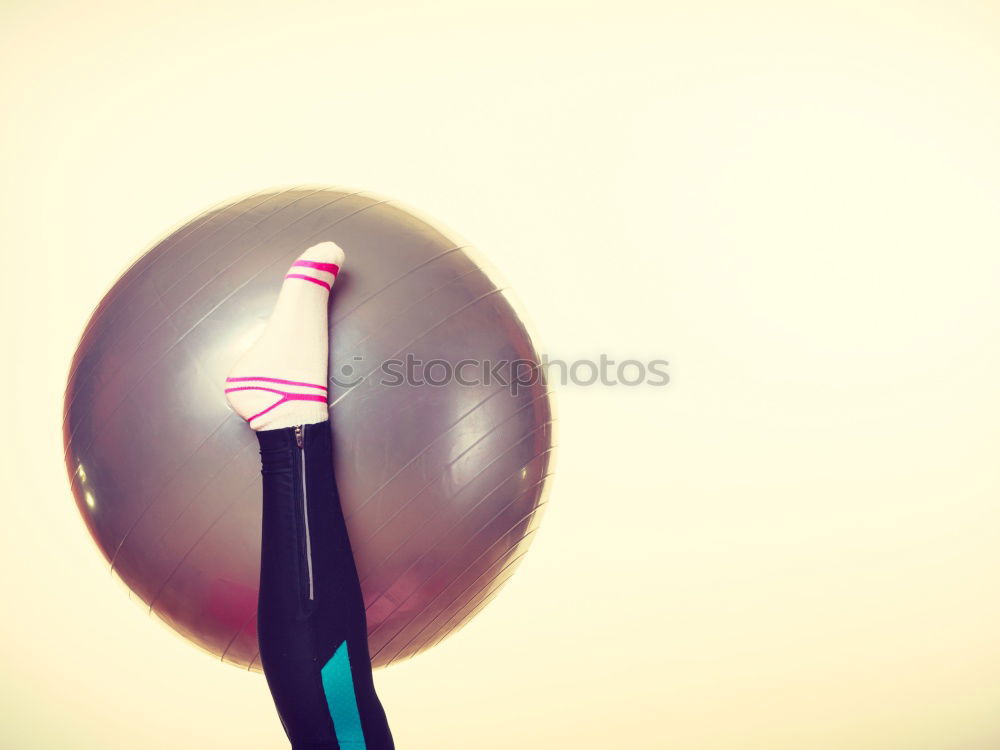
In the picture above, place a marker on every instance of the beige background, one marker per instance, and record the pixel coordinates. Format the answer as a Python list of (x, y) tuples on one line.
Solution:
[(794, 545)]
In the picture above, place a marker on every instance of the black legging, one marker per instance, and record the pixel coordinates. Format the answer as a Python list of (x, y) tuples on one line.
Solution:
[(311, 615)]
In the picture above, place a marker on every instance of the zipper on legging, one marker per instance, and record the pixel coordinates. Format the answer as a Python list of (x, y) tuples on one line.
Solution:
[(300, 441)]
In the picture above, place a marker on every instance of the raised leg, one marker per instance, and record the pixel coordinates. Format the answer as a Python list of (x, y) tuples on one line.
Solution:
[(311, 616), (311, 623)]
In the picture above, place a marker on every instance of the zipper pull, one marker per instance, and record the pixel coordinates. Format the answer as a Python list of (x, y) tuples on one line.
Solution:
[(298, 435)]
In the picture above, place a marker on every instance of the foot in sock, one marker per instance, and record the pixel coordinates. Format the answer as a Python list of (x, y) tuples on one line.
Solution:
[(281, 380)]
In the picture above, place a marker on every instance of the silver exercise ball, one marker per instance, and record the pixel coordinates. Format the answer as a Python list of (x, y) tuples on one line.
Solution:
[(441, 484)]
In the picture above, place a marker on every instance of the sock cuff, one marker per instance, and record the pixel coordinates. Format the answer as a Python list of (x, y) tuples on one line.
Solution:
[(291, 414)]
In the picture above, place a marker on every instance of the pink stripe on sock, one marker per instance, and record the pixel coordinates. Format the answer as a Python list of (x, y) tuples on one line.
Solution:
[(275, 380), (269, 390), (285, 396), (328, 267), (307, 278)]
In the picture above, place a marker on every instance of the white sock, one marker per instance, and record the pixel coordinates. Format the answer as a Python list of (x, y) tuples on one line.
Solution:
[(281, 381)]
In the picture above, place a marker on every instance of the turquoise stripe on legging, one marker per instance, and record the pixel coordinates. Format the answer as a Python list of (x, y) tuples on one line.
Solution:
[(338, 684)]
